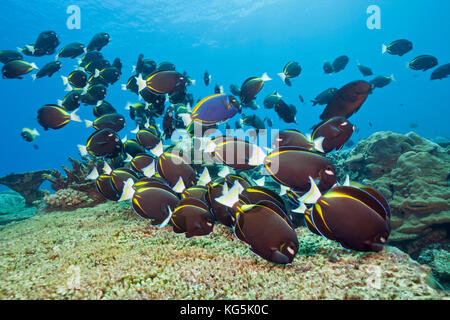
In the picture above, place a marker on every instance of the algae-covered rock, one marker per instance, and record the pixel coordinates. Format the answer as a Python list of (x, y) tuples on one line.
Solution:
[(13, 208), (107, 252), (27, 184), (439, 261), (411, 172)]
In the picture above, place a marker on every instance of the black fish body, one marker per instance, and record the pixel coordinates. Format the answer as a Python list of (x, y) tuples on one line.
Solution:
[(267, 233), (98, 41), (324, 97), (398, 47), (336, 132), (292, 167), (49, 69), (340, 63), (441, 73), (347, 100), (424, 63)]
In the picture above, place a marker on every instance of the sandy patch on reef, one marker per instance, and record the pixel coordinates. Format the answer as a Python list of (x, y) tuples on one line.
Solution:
[(107, 252)]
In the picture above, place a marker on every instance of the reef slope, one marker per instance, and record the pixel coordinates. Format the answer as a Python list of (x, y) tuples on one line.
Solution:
[(107, 252)]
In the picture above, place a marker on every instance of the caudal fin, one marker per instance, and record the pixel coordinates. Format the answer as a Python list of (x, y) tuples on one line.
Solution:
[(230, 198), (282, 76), (128, 190), (93, 175), (74, 116), (383, 49), (265, 77), (205, 178), (179, 186), (312, 195), (318, 144)]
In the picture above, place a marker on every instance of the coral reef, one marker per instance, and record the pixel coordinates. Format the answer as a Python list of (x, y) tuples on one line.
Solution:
[(412, 173), (439, 261), (68, 199), (73, 190), (27, 184), (107, 252), (13, 208)]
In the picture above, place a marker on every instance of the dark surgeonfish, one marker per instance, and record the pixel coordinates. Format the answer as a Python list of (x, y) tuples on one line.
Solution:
[(148, 67), (356, 217), (95, 65), (340, 63), (144, 203), (294, 138), (192, 217), (98, 41), (76, 78), (441, 73), (292, 167), (207, 78), (72, 50), (236, 153), (255, 194), (253, 121), (347, 100), (172, 166), (147, 138), (112, 121), (231, 179), (142, 161), (221, 213), (291, 70), (133, 148), (381, 81), (398, 47), (47, 42), (89, 57), (197, 192), (55, 117), (286, 112), (9, 55), (217, 89), (117, 63), (165, 81), (264, 226), (366, 71), (327, 67), (165, 66), (271, 100), (104, 143), (235, 90), (251, 87), (110, 74), (423, 62), (48, 70), (71, 101), (105, 187), (98, 92), (29, 135), (119, 176), (16, 69), (324, 97), (335, 131), (103, 108)]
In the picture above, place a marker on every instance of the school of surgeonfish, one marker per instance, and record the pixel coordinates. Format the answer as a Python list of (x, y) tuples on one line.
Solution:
[(154, 171)]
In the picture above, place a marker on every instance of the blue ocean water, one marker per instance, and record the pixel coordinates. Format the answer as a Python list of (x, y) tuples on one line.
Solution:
[(233, 40)]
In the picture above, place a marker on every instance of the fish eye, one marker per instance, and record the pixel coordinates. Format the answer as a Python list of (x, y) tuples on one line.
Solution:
[(329, 172), (344, 123)]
